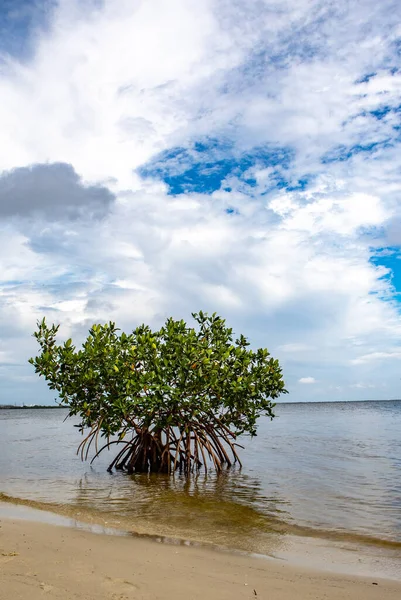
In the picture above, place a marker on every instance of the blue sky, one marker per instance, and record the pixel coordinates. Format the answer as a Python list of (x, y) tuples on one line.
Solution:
[(240, 157), (21, 21)]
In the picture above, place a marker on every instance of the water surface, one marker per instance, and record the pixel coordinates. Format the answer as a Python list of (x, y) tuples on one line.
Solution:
[(327, 470)]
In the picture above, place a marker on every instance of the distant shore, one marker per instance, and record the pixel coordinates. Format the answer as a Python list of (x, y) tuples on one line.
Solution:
[(30, 407), (64, 563), (311, 402)]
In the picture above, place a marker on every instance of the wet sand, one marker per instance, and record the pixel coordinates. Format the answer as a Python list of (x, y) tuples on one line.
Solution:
[(39, 560)]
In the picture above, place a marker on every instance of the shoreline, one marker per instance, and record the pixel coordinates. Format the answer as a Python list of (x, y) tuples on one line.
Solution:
[(38, 559), (320, 554), (281, 529)]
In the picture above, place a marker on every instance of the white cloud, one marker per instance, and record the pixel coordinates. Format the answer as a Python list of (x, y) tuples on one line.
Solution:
[(363, 386), (110, 88), (307, 380), (377, 356), (295, 347), (5, 358), (341, 215)]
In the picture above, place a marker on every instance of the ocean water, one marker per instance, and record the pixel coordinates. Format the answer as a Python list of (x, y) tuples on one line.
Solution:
[(327, 471)]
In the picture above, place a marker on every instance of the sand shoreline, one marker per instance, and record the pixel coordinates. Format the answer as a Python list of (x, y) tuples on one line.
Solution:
[(38, 559), (321, 555)]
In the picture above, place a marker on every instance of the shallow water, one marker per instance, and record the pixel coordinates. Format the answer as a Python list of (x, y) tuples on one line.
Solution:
[(329, 470)]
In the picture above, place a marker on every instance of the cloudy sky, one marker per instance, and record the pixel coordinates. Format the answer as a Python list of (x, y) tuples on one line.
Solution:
[(158, 157)]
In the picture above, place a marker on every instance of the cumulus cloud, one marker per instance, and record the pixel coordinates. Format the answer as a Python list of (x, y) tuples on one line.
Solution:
[(244, 158), (307, 380), (52, 190)]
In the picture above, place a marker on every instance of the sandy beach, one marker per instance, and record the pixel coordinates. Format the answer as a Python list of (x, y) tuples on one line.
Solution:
[(39, 560)]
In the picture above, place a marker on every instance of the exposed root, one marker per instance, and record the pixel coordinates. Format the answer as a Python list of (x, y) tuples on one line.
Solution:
[(166, 451)]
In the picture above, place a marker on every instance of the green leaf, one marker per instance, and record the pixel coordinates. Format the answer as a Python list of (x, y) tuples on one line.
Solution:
[(180, 376)]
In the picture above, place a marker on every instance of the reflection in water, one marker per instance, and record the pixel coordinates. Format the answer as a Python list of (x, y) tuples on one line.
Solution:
[(227, 510)]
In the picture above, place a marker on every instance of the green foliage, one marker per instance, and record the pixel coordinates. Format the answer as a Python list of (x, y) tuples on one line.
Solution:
[(180, 394)]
